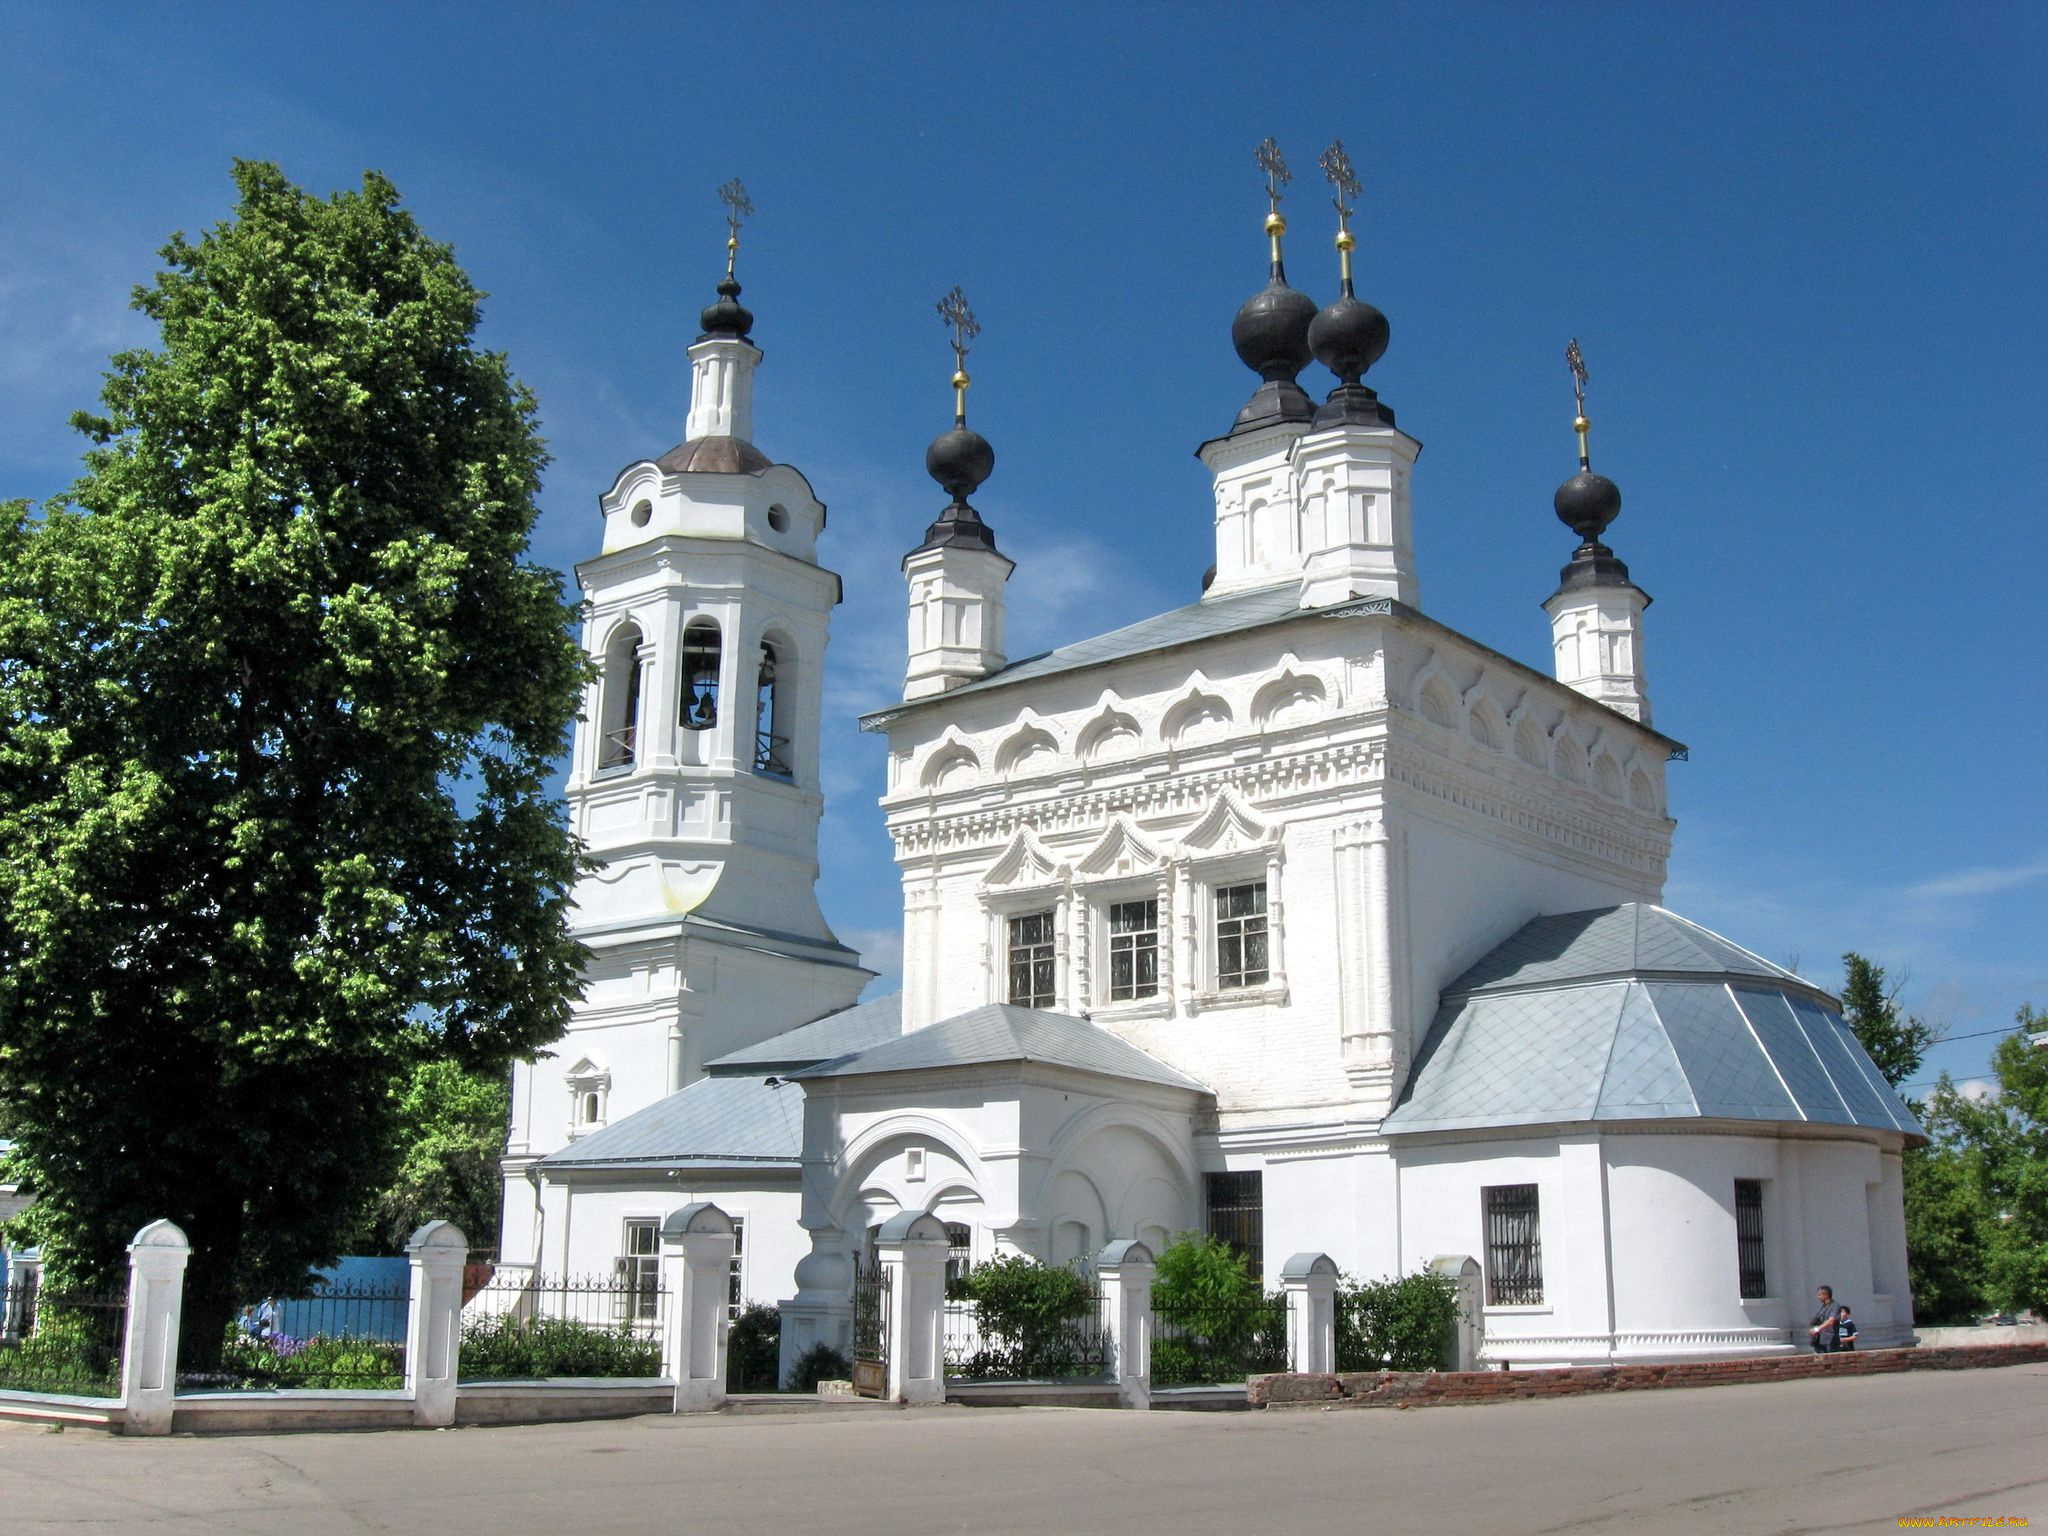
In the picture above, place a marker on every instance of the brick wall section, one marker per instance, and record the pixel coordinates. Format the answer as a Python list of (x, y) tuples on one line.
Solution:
[(1425, 1389)]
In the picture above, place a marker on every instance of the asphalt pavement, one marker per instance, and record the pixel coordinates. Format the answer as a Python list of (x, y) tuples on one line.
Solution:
[(1849, 1454)]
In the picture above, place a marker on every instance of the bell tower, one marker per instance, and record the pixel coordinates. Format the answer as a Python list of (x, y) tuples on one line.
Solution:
[(694, 776)]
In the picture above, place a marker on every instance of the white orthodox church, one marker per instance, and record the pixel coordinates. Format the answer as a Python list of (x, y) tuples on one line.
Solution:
[(1291, 915)]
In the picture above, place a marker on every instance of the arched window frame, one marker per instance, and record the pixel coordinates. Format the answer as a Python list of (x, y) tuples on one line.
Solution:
[(774, 753), (619, 709), (703, 656)]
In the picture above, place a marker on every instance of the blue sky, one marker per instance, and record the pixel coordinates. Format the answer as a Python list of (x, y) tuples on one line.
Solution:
[(1803, 248)]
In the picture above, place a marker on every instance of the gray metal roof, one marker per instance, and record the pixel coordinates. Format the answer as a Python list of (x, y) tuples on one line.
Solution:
[(1633, 1013), (1000, 1033), (715, 1122), (1632, 939), (1206, 620), (835, 1035)]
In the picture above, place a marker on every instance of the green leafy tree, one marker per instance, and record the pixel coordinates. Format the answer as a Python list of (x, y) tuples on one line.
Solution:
[(2005, 1145), (1896, 1042), (450, 1126), (280, 689)]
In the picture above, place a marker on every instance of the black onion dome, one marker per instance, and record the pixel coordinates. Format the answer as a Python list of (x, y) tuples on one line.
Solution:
[(1271, 331), (1348, 337), (1587, 503), (728, 317), (960, 460)]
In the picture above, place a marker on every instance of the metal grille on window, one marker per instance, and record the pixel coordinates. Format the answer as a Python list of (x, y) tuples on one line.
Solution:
[(1514, 1247), (959, 1250), (1237, 1214), (1241, 935), (1133, 950), (736, 1298), (639, 1296), (1749, 1237), (1032, 955)]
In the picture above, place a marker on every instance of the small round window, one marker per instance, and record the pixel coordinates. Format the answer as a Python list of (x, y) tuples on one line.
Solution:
[(778, 518), (643, 513)]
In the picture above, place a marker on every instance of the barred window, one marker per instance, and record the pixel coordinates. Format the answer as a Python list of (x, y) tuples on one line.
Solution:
[(1237, 1214), (1749, 1238), (1241, 935), (1133, 950), (639, 1271), (1031, 954), (959, 1250), (1514, 1246)]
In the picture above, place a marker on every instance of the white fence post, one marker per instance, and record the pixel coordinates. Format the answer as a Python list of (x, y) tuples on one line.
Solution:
[(433, 1323), (912, 1246), (149, 1353), (1309, 1282), (696, 1274), (1469, 1333), (1123, 1276)]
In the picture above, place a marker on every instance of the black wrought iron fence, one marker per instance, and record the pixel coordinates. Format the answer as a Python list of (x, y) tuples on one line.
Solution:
[(532, 1328), (59, 1340), (1077, 1347), (337, 1335), (1211, 1342)]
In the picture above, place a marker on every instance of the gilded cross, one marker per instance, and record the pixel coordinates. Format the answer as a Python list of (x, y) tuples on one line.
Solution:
[(1337, 168), (954, 311), (1274, 164), (738, 206), (1576, 361)]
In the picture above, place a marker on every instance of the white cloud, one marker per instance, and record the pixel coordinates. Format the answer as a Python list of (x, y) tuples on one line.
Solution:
[(1984, 880), (1978, 1088)]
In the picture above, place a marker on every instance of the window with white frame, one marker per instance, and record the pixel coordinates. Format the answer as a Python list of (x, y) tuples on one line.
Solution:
[(639, 1271), (736, 1288), (590, 1088), (1241, 959), (1033, 954), (1514, 1246), (1133, 950)]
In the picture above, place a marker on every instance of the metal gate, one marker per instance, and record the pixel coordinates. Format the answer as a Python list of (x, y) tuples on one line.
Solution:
[(871, 1330)]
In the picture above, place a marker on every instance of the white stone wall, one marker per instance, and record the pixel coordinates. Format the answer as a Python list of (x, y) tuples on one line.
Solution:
[(589, 1231), (1410, 798), (1647, 1218)]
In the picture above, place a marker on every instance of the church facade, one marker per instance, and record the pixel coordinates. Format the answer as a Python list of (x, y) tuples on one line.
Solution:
[(1291, 915)]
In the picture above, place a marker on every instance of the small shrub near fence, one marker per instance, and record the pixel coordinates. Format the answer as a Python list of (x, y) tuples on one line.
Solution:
[(1015, 1319), (753, 1349), (821, 1362), (343, 1336), (1211, 1323), (1408, 1324), (62, 1341), (604, 1326)]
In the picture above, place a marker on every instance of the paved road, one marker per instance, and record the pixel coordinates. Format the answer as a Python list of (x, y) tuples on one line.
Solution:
[(1842, 1455)]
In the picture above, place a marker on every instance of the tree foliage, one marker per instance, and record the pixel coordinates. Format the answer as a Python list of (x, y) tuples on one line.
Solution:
[(450, 1129), (280, 689), (1407, 1323), (1896, 1042)]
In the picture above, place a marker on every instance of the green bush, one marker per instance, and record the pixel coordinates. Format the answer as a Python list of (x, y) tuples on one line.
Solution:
[(1212, 1322), (280, 1361), (1032, 1319), (1406, 1324), (821, 1362), (509, 1348), (753, 1349)]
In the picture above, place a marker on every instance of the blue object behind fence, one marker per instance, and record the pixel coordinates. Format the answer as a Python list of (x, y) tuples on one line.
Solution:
[(381, 1319)]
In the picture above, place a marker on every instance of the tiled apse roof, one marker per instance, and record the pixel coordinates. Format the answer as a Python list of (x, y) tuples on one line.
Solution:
[(999, 1033), (1633, 1013)]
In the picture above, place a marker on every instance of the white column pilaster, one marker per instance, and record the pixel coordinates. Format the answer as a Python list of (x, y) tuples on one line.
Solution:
[(433, 1327)]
